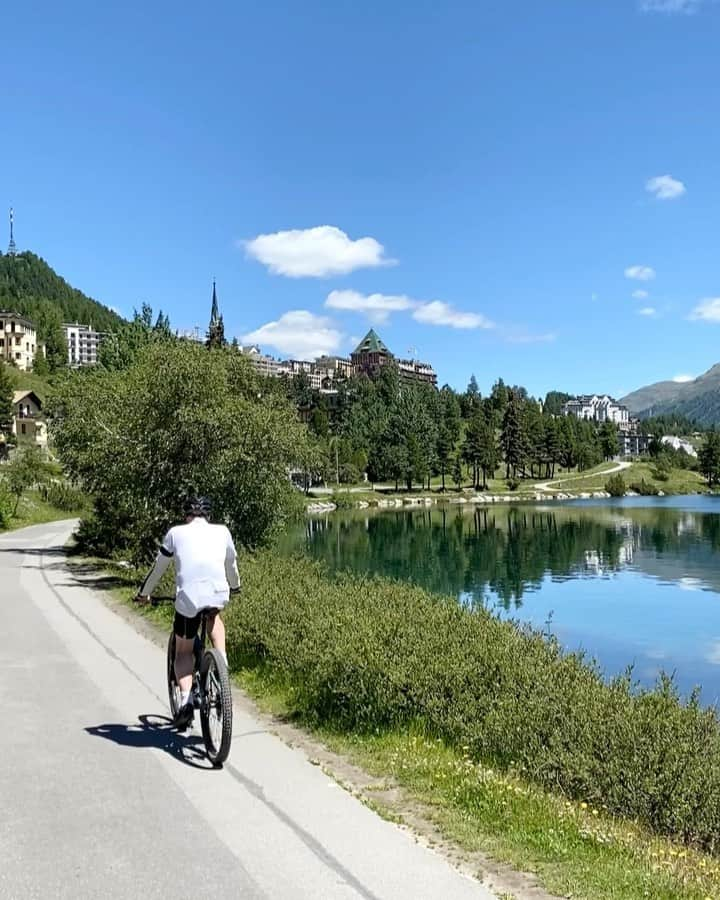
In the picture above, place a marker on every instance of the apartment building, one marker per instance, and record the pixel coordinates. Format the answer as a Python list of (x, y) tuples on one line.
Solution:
[(18, 340)]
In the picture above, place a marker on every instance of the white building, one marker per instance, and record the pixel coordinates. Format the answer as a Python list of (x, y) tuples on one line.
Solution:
[(597, 408), (263, 364), (83, 344), (18, 340)]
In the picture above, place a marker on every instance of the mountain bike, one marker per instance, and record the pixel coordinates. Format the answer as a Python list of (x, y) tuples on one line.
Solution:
[(211, 694)]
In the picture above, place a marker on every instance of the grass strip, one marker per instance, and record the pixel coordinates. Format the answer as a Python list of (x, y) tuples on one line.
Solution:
[(577, 847)]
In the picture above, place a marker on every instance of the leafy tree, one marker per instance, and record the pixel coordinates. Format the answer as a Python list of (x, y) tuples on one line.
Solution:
[(121, 348), (615, 486), (6, 400), (25, 470), (139, 443)]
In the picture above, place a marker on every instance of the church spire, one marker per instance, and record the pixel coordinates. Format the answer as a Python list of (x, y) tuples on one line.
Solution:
[(214, 312), (216, 329)]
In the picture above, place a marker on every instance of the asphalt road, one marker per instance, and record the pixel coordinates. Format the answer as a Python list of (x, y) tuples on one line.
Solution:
[(98, 798)]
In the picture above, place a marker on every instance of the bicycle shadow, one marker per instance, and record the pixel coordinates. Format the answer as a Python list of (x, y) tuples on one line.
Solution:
[(156, 732)]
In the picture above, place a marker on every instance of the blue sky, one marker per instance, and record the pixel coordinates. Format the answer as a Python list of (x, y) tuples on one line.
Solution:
[(475, 179)]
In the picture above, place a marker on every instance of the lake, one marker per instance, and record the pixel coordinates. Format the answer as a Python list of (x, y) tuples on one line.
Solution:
[(633, 581)]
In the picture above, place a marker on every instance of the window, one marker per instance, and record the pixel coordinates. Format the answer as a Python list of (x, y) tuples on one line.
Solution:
[(23, 428), (12, 326), (18, 356)]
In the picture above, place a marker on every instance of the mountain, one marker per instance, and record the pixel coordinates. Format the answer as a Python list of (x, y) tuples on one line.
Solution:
[(28, 285), (698, 399)]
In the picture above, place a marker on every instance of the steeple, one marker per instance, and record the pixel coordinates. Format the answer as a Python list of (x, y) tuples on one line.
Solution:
[(214, 312), (12, 249), (216, 329)]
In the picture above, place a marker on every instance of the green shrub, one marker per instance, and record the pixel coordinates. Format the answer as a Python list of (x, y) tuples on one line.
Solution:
[(6, 508), (367, 654), (513, 484), (645, 488), (615, 486), (63, 496)]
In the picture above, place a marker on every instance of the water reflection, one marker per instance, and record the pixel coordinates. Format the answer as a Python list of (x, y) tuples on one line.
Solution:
[(634, 582)]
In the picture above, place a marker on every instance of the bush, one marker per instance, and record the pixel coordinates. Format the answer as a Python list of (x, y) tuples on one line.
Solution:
[(6, 508), (366, 654), (615, 486), (645, 488), (662, 470), (513, 484), (63, 496)]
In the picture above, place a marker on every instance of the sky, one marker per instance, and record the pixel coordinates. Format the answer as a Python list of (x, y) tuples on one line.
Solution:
[(527, 190)]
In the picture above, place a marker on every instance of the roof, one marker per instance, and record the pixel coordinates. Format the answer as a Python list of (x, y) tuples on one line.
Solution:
[(371, 343), (21, 395)]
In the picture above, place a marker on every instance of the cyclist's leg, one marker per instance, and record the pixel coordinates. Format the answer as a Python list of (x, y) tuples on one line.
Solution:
[(186, 630), (216, 630)]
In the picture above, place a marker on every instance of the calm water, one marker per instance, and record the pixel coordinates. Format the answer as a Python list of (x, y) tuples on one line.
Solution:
[(633, 581)]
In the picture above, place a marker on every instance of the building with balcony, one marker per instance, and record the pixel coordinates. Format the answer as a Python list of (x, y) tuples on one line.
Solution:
[(83, 344), (371, 355), (29, 425), (18, 340), (597, 408)]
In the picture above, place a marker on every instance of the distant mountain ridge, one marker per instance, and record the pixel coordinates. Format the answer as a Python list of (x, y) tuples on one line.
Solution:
[(698, 399)]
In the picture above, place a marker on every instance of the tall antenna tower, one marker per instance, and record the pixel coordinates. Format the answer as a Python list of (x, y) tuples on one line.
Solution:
[(12, 249)]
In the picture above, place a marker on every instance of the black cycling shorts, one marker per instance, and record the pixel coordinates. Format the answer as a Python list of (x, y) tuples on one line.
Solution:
[(188, 627)]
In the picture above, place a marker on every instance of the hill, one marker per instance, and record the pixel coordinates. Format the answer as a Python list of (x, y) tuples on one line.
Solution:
[(698, 399), (28, 285)]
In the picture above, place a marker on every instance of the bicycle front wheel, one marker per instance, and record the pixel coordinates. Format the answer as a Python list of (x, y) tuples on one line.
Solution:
[(173, 687), (216, 707)]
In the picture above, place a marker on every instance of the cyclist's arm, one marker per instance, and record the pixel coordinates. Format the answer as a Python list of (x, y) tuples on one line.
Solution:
[(162, 561), (231, 570)]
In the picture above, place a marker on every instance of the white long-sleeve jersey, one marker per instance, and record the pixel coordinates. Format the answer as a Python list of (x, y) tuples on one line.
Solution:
[(205, 566)]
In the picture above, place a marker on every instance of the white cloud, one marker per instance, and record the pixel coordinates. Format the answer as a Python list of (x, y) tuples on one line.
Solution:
[(640, 295), (707, 310), (315, 252), (377, 306), (683, 379), (438, 313), (298, 333), (665, 187), (647, 311), (640, 273), (670, 6)]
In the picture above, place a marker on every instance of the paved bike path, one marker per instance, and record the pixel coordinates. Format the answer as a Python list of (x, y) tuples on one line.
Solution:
[(99, 798)]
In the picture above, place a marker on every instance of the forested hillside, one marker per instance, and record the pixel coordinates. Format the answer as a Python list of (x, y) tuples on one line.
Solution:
[(28, 285)]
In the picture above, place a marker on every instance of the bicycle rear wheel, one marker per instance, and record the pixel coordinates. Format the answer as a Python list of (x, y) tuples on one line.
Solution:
[(216, 707), (173, 688)]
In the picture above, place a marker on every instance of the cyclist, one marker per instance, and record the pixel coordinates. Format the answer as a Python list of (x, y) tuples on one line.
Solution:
[(205, 573)]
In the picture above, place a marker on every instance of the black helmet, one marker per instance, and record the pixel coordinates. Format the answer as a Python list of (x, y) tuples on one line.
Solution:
[(198, 506)]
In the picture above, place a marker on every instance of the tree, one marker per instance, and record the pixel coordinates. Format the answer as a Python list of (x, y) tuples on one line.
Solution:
[(709, 458), (609, 440), (24, 471), (457, 470), (443, 449), (140, 442), (555, 402), (6, 400), (514, 436)]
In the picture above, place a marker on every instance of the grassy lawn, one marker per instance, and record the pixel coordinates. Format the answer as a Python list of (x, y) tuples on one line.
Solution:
[(680, 482), (574, 848), (33, 510)]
